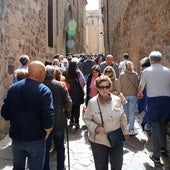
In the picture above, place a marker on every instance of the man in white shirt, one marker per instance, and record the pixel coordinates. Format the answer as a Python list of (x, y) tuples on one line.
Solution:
[(156, 78), (122, 64)]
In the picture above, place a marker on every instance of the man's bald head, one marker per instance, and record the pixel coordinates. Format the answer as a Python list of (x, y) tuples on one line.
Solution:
[(36, 71), (109, 59)]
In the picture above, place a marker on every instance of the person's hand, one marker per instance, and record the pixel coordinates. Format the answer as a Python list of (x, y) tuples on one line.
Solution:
[(84, 108), (48, 131), (126, 136), (140, 95), (100, 130)]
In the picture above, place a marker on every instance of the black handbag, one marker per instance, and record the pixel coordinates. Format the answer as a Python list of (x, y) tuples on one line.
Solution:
[(115, 137)]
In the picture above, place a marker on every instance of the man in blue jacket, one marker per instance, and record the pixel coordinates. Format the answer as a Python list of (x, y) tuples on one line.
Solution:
[(109, 62), (87, 65), (29, 108)]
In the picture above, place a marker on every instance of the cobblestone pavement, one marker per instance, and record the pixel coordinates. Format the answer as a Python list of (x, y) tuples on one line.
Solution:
[(136, 152)]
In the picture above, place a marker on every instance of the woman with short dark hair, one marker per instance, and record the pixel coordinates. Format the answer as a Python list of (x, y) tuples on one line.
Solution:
[(104, 114), (91, 89)]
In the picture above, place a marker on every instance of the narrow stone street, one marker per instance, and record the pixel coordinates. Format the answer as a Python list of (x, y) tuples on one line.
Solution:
[(136, 152)]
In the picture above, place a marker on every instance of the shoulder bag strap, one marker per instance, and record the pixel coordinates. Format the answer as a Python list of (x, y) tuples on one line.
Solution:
[(100, 113), (132, 83)]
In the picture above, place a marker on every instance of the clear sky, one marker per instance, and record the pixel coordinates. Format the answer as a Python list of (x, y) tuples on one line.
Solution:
[(92, 4)]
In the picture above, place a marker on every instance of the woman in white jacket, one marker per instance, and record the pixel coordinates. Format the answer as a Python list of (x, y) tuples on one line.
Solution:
[(113, 118)]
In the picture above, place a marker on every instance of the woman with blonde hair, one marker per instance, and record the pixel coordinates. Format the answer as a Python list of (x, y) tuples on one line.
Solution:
[(60, 77), (110, 72), (21, 74), (116, 87), (129, 87), (56, 62)]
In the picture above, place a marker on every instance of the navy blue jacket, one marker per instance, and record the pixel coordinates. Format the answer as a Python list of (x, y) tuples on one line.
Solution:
[(29, 108)]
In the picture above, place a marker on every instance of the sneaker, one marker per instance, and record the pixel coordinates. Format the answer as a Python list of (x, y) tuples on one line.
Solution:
[(77, 125), (153, 158), (163, 151), (84, 127), (143, 126), (132, 132), (147, 130), (71, 123)]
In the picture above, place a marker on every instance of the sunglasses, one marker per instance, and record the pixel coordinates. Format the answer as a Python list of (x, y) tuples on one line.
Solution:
[(94, 72), (104, 87), (108, 71)]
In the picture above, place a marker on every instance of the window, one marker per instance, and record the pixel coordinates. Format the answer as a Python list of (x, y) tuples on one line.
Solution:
[(92, 22), (3, 8), (50, 23)]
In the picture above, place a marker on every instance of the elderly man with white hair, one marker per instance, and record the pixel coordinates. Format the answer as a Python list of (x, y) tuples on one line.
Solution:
[(156, 78)]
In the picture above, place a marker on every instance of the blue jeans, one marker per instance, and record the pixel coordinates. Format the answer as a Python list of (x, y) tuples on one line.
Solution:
[(58, 136), (60, 149), (142, 103), (130, 110), (47, 154), (34, 151)]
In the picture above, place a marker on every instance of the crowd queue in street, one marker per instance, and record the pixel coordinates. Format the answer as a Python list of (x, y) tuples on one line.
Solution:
[(46, 97)]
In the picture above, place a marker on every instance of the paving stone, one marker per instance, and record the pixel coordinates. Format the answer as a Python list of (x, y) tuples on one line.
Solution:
[(136, 152)]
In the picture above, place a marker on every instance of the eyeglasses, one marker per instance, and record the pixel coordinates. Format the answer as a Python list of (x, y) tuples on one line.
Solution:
[(94, 72), (104, 87), (108, 71)]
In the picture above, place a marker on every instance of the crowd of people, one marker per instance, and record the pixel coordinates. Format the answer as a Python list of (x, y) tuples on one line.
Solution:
[(45, 96)]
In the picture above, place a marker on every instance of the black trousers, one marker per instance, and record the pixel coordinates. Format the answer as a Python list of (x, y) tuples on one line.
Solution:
[(75, 114), (103, 155)]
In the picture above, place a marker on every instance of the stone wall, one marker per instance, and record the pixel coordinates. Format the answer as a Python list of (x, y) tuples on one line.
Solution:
[(65, 12), (137, 27), (79, 16), (94, 32), (24, 30)]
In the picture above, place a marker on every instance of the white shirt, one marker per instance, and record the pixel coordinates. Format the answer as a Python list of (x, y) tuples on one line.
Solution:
[(122, 65), (156, 78)]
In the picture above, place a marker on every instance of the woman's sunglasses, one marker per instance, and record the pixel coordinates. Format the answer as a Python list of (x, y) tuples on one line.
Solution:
[(108, 71), (104, 87)]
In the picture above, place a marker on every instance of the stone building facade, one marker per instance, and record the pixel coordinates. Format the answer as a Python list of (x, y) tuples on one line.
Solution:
[(94, 32), (38, 28), (137, 27)]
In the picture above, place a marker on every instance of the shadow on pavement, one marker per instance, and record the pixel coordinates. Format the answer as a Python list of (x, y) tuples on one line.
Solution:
[(5, 157), (134, 144)]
